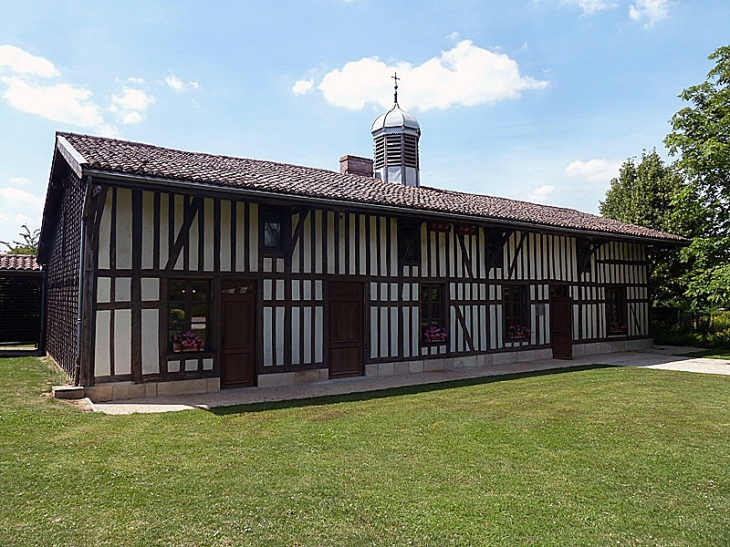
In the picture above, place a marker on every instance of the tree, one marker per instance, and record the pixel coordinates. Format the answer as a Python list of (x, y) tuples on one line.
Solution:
[(701, 137), (28, 244), (646, 193)]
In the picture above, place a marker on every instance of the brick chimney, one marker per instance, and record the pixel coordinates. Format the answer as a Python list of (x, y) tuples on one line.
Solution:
[(355, 165)]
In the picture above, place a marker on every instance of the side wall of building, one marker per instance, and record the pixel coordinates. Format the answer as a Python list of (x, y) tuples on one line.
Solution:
[(148, 239), (62, 281)]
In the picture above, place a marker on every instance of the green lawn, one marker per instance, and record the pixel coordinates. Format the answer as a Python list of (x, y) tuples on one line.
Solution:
[(600, 456), (712, 353)]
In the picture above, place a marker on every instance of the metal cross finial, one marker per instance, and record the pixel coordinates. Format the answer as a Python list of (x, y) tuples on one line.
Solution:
[(396, 78)]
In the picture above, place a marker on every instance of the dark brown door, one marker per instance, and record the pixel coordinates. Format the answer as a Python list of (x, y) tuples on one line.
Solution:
[(561, 330), (238, 362), (345, 329)]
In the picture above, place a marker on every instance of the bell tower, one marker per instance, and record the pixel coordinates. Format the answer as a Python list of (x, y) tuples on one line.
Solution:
[(395, 140)]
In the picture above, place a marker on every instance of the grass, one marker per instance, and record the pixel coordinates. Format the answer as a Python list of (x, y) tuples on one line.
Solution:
[(599, 456), (712, 353)]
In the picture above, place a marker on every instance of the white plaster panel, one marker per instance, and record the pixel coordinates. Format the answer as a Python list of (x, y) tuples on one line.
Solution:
[(208, 364), (101, 349), (268, 335), (279, 360), (307, 289), (330, 221), (254, 223), (105, 230), (268, 287), (341, 243), (225, 250), (173, 366), (406, 332), (150, 289), (123, 289), (122, 341), (164, 229), (280, 289), (353, 236), (295, 294), (373, 332), (191, 364), (318, 333), (240, 265), (179, 210), (318, 289), (208, 247), (318, 241), (124, 229), (295, 336), (394, 332), (150, 342), (306, 239), (306, 332), (148, 230), (103, 290), (384, 330), (193, 243), (362, 245)]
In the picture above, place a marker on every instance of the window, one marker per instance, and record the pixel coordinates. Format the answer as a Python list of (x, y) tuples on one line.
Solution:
[(616, 311), (495, 247), (274, 225), (433, 316), (409, 242), (187, 324), (514, 312), (583, 252)]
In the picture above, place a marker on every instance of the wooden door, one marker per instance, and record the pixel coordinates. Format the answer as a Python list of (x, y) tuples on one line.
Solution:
[(346, 346), (238, 333), (561, 330)]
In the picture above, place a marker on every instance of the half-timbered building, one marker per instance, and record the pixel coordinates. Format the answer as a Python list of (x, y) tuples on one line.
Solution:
[(173, 272)]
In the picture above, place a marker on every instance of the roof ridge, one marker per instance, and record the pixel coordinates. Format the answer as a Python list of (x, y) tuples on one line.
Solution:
[(113, 155)]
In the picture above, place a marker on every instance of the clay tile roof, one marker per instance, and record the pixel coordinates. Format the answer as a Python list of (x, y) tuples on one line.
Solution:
[(151, 162), (18, 262)]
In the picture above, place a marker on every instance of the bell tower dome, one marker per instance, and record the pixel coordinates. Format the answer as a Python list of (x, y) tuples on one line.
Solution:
[(395, 140)]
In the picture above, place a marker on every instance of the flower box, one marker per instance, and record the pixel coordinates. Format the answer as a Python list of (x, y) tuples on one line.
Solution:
[(187, 342), (435, 335)]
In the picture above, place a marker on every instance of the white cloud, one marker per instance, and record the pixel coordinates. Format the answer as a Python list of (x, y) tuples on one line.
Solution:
[(178, 85), (19, 181), (18, 197), (465, 75), (652, 10), (539, 195), (60, 102), (301, 87), (590, 6), (594, 170), (19, 61), (134, 80), (131, 106)]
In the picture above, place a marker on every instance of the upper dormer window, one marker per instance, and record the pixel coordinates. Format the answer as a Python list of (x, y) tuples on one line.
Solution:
[(409, 242), (274, 225)]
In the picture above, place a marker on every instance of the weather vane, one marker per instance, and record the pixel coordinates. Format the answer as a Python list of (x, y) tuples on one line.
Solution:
[(395, 78)]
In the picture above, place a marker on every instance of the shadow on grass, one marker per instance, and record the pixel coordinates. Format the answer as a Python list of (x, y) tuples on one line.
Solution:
[(392, 391)]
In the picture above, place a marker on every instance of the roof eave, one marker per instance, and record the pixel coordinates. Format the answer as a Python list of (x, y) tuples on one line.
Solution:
[(146, 181)]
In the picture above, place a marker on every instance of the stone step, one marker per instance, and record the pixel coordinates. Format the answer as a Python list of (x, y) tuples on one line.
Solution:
[(68, 392)]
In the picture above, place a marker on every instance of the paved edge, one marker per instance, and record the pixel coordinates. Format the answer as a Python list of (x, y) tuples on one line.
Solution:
[(361, 384)]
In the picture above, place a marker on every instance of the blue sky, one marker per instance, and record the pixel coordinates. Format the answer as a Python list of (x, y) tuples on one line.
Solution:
[(539, 100)]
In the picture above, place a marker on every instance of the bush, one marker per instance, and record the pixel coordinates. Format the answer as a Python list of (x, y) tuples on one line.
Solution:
[(670, 327), (720, 321)]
